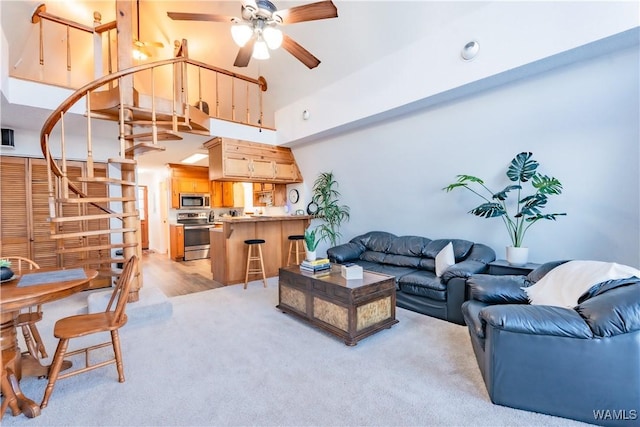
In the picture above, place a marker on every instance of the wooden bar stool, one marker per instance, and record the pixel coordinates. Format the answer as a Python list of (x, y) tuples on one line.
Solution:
[(296, 240), (254, 258)]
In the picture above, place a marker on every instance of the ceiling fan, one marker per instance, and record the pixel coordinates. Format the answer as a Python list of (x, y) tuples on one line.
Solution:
[(257, 30), (140, 50)]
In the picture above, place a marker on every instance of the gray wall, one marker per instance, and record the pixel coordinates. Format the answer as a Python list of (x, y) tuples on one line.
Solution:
[(581, 121)]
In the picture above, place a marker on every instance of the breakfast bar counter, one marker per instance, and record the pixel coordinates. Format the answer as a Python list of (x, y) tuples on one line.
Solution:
[(229, 252)]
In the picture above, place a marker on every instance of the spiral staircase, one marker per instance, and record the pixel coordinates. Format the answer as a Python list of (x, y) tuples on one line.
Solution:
[(94, 218)]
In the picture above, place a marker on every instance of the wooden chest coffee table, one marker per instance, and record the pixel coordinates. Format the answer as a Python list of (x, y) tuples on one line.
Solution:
[(350, 309)]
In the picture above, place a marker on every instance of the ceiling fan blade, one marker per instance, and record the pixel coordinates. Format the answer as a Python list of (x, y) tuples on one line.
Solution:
[(244, 54), (185, 16), (154, 44), (308, 12), (250, 3), (302, 54)]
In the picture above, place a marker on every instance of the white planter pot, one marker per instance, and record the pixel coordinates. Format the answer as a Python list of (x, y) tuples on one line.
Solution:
[(517, 255), (310, 255)]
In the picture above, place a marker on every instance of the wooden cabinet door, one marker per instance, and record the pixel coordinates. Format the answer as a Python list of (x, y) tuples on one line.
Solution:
[(261, 169), (286, 171), (175, 193), (176, 235), (237, 167), (201, 186), (185, 185), (15, 229)]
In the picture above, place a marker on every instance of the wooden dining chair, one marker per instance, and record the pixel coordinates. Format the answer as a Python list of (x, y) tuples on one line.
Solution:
[(28, 318), (111, 320)]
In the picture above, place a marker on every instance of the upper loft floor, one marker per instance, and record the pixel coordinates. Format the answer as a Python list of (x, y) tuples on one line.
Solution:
[(60, 56)]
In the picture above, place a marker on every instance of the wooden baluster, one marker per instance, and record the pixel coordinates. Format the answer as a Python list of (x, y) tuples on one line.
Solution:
[(200, 88), (260, 122), (217, 97), (52, 205), (121, 119), (97, 46), (174, 116), (89, 142), (154, 124), (65, 178), (248, 119), (41, 43), (233, 100)]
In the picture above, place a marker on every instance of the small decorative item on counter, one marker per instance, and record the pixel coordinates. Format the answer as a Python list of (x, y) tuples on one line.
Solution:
[(5, 270), (351, 271)]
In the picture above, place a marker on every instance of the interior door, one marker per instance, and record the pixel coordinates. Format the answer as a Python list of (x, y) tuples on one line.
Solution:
[(143, 209)]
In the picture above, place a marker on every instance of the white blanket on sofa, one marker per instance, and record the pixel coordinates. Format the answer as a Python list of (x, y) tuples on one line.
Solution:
[(563, 285)]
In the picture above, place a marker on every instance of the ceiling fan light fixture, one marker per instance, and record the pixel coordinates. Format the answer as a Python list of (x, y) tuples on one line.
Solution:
[(241, 34), (138, 54), (260, 50), (273, 37)]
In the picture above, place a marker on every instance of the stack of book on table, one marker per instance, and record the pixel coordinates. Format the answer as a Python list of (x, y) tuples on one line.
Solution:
[(319, 265)]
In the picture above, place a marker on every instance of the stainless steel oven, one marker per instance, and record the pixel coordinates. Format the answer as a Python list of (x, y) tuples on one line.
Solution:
[(196, 234)]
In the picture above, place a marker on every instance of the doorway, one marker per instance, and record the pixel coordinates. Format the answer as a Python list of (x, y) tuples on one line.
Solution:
[(143, 208)]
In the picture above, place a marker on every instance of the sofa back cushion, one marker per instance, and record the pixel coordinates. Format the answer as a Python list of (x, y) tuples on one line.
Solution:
[(461, 248), (377, 241), (373, 256), (408, 245)]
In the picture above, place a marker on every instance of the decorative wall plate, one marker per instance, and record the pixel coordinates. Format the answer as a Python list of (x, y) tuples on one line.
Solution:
[(294, 196), (312, 208)]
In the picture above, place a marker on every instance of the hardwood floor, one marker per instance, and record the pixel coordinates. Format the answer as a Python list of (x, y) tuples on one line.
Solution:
[(177, 278)]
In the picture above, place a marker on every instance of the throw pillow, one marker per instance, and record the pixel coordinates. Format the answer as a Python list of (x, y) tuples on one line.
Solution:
[(563, 285), (444, 259)]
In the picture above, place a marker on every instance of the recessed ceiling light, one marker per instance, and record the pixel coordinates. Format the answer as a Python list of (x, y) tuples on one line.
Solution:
[(194, 158)]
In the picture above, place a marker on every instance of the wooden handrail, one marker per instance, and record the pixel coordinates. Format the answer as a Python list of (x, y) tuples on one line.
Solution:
[(41, 13), (54, 117)]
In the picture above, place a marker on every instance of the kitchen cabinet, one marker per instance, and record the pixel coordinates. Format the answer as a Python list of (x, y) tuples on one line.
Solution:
[(269, 194), (176, 238), (235, 160), (229, 252), (188, 179), (222, 194)]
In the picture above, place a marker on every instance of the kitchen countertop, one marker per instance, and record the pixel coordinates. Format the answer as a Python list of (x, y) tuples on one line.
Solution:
[(261, 218)]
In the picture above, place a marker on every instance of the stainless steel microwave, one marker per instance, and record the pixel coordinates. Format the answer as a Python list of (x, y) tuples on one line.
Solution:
[(195, 201)]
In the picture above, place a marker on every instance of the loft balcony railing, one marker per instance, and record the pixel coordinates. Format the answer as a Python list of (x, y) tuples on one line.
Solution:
[(90, 53)]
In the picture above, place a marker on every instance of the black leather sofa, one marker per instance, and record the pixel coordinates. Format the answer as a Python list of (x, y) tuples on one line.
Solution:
[(411, 259), (581, 363)]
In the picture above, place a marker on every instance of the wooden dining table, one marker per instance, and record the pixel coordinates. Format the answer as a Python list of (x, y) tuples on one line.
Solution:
[(33, 288)]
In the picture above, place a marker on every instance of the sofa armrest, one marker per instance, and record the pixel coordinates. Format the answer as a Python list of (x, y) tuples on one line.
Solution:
[(614, 312), (346, 252), (463, 269), (536, 320), (498, 289)]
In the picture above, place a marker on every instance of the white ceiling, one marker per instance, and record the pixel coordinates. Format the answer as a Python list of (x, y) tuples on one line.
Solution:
[(363, 33)]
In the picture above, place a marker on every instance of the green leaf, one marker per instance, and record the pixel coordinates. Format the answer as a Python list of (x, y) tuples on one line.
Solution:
[(546, 185), (488, 210), (522, 167), (503, 194)]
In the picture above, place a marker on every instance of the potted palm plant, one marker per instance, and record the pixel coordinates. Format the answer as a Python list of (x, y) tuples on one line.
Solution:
[(329, 211), (310, 243), (518, 217)]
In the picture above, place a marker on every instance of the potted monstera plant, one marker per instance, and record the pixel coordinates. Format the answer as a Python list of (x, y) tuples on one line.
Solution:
[(531, 191)]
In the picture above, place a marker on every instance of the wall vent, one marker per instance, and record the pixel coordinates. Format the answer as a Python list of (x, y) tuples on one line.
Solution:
[(7, 139)]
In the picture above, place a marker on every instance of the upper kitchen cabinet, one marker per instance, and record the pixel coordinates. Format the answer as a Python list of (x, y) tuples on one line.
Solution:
[(235, 160), (187, 179)]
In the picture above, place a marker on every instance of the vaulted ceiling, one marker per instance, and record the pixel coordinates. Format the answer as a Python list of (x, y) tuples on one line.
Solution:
[(363, 33)]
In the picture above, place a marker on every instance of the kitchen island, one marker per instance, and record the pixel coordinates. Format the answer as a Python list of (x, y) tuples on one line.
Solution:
[(229, 252)]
